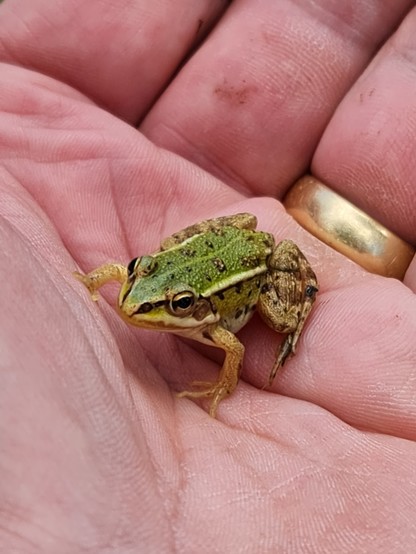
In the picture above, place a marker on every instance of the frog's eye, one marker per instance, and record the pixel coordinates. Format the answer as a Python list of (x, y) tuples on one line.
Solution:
[(131, 267), (182, 304)]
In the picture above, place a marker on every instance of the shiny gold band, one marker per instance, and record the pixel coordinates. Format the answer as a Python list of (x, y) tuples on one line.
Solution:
[(341, 225)]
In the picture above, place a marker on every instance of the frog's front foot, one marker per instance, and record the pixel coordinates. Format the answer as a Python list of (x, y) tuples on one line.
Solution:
[(217, 391), (100, 276), (88, 283)]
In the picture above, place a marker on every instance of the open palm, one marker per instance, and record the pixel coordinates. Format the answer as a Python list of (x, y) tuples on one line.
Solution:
[(97, 453)]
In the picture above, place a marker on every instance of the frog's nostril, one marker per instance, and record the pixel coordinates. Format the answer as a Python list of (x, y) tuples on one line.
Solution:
[(144, 308)]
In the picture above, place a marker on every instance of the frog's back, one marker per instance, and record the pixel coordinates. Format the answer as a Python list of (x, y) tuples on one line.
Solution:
[(213, 260)]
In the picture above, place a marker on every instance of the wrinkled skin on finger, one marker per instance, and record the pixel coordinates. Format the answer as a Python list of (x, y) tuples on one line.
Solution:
[(122, 123)]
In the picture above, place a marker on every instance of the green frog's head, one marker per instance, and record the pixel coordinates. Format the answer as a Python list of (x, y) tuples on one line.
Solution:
[(154, 298)]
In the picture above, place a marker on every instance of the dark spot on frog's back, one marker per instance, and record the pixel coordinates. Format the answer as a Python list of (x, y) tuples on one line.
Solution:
[(265, 288), (238, 313), (188, 252), (219, 264), (250, 261), (249, 308), (219, 231)]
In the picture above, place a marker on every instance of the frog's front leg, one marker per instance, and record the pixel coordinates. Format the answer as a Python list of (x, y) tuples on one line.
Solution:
[(287, 297), (229, 373), (100, 276)]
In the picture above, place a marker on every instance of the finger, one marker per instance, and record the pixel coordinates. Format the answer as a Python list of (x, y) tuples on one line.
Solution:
[(252, 103), (105, 187), (120, 55), (367, 151)]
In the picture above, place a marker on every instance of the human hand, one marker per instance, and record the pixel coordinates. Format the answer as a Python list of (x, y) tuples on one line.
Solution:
[(97, 452)]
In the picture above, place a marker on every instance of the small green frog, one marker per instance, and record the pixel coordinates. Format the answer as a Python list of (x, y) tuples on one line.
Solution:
[(205, 283)]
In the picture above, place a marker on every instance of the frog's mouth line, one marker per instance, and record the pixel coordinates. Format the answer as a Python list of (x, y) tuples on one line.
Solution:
[(159, 318)]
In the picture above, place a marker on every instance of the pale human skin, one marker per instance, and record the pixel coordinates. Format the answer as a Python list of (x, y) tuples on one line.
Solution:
[(97, 453)]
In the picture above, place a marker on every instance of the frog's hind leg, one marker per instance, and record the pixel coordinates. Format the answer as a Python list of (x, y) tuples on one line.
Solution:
[(286, 297), (229, 374), (241, 221)]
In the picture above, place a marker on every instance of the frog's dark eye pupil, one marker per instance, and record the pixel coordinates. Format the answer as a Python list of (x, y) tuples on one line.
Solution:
[(131, 266), (182, 303)]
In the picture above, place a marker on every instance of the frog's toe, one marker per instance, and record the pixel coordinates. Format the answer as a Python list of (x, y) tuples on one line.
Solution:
[(206, 385), (216, 391), (88, 283), (206, 389)]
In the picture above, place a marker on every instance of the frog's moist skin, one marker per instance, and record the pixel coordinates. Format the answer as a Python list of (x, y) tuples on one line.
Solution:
[(205, 283)]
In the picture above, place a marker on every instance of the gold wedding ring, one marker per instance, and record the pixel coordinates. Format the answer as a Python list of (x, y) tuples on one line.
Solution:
[(338, 223)]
